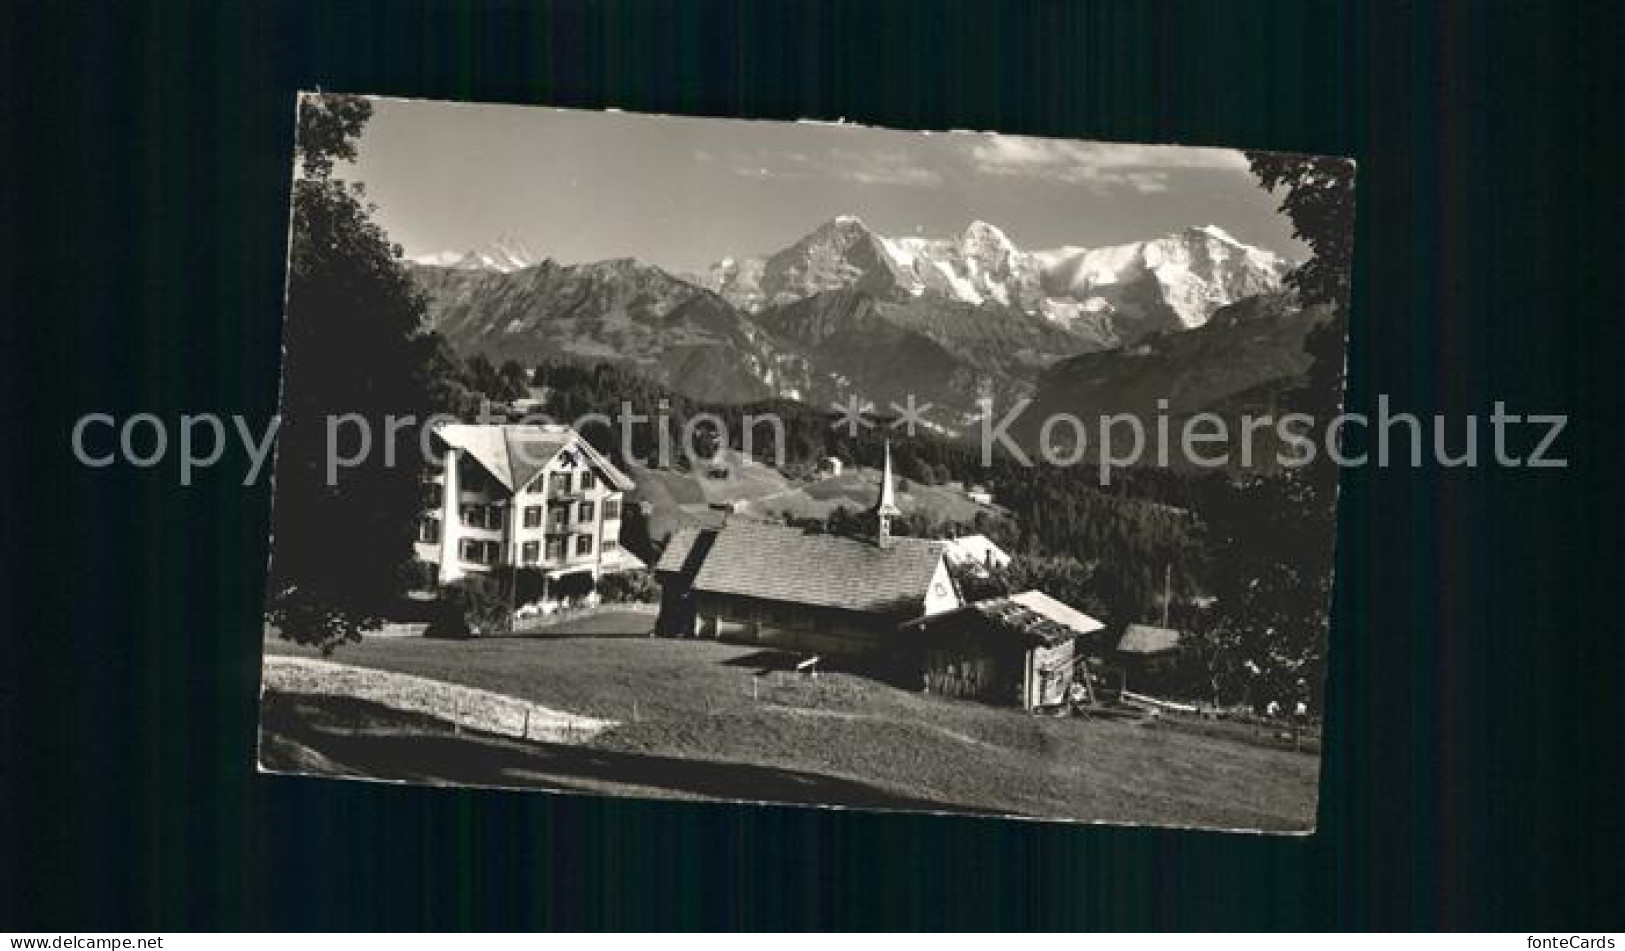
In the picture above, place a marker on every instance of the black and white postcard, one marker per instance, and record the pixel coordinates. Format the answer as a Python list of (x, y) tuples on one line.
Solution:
[(806, 463)]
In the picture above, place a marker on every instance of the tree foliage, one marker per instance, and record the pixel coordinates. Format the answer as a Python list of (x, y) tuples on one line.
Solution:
[(1318, 196), (468, 607), (629, 587), (1270, 538), (353, 345)]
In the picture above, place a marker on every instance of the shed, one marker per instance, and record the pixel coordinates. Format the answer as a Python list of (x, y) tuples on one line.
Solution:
[(1018, 650), (1146, 655), (1146, 641)]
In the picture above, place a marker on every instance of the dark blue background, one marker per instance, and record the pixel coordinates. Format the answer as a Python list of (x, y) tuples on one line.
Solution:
[(1472, 778)]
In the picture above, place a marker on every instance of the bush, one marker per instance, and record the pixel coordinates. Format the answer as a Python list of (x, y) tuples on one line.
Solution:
[(577, 584), (629, 587), (420, 575), (529, 585), (467, 608)]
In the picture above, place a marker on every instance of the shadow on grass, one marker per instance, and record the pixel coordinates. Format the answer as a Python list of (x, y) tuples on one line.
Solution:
[(891, 672), (767, 661), (330, 735)]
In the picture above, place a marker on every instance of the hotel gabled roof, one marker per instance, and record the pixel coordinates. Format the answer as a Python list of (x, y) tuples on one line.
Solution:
[(514, 454)]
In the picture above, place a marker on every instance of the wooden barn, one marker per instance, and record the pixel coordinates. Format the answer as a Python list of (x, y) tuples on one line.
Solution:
[(784, 587), (1018, 650), (1146, 656)]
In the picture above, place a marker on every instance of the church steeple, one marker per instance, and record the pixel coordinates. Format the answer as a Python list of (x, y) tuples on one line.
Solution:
[(886, 506)]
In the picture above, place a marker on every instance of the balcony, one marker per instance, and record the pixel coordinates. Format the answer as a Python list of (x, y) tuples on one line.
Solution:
[(568, 560)]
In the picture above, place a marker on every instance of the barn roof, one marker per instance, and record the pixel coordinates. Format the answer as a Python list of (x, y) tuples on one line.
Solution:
[(513, 454), (780, 563), (1146, 639), (1058, 612), (1032, 616), (686, 550)]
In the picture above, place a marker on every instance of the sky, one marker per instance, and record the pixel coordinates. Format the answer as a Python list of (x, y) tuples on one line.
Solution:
[(682, 193)]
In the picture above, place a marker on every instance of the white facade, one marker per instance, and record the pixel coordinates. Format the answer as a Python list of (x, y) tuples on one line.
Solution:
[(523, 497)]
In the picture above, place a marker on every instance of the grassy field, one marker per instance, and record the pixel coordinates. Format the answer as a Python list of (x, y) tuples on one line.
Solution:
[(857, 488), (684, 499), (708, 720)]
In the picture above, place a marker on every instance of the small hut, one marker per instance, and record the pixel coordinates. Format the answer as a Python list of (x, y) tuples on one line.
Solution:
[(1143, 642), (1017, 650), (1145, 653)]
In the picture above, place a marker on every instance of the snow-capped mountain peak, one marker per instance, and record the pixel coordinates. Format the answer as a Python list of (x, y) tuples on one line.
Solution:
[(1122, 292), (980, 234), (505, 254), (1176, 281)]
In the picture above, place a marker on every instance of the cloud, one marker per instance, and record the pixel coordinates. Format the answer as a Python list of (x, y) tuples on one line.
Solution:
[(863, 167), (1102, 166), (763, 173), (881, 168)]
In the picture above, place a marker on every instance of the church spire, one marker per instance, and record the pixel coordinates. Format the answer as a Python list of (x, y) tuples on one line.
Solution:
[(886, 506)]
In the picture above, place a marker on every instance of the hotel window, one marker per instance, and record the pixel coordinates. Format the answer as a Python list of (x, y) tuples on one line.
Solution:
[(478, 552), (586, 512), (429, 530), (583, 544), (610, 545), (555, 549), (560, 517), (482, 516), (530, 552), (588, 480), (433, 494), (533, 516), (612, 508), (558, 483)]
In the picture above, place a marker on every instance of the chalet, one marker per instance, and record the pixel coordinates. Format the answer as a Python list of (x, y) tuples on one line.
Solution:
[(979, 494), (788, 588), (830, 466), (515, 496), (1018, 650)]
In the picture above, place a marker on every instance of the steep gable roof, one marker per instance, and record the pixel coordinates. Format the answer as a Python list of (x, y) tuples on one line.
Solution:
[(780, 563), (515, 454), (532, 449), (485, 445)]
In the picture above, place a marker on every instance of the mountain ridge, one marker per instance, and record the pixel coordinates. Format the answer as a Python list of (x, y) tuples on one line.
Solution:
[(844, 312), (1113, 294)]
